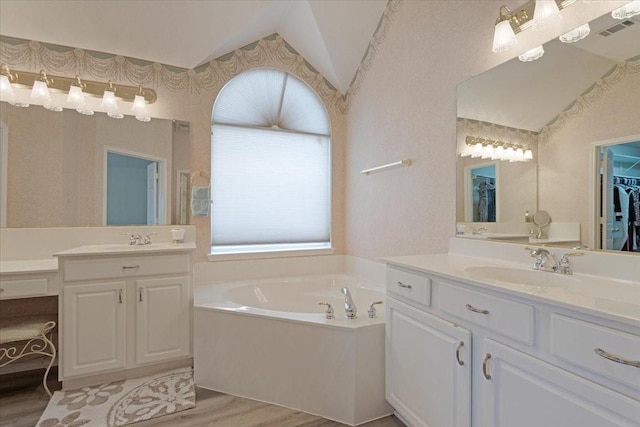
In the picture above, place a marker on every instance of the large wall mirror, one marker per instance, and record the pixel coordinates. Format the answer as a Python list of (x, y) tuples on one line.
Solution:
[(565, 106), (61, 169)]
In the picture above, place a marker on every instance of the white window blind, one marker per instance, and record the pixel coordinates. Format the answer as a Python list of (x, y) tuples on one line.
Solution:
[(269, 187), (270, 165)]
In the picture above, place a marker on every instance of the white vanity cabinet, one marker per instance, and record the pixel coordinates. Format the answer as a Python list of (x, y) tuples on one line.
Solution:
[(122, 312), (427, 378), (526, 362)]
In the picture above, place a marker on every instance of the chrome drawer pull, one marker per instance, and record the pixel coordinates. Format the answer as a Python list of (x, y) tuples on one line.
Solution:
[(485, 367), (476, 310), (460, 361), (600, 352), (402, 285), (130, 267)]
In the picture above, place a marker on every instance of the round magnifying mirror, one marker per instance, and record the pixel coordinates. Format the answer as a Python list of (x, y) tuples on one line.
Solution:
[(541, 218)]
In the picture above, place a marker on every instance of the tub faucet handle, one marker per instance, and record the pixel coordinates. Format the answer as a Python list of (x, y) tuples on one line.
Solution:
[(329, 312), (372, 309)]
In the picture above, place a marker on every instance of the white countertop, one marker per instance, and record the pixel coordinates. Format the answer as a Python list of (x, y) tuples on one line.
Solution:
[(27, 266), (125, 249), (617, 300)]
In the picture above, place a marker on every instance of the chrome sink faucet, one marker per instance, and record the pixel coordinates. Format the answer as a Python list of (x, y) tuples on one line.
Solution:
[(542, 256), (350, 308), (138, 240), (478, 230), (564, 266)]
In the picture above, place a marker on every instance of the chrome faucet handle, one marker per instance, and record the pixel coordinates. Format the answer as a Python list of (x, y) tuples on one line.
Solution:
[(133, 238), (147, 238), (565, 267), (329, 312), (372, 309)]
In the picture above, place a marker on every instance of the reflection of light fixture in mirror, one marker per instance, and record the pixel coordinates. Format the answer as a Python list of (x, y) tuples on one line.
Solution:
[(532, 55), (109, 102), (545, 13), (76, 98), (139, 107), (503, 37), (6, 91), (576, 34), (627, 11), (496, 150)]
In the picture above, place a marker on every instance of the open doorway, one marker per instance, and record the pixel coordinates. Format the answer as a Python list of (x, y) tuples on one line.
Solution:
[(134, 189), (619, 196)]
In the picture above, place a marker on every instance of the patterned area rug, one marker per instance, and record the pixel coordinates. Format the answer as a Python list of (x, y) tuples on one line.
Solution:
[(122, 402)]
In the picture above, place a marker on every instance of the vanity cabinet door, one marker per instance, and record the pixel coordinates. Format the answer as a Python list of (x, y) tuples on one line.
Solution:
[(520, 390), (162, 319), (428, 368), (94, 328)]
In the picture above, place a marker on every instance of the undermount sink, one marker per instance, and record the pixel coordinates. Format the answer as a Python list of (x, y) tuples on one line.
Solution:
[(520, 276)]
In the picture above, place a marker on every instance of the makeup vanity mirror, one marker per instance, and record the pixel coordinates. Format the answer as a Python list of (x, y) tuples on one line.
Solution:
[(572, 108), (67, 169)]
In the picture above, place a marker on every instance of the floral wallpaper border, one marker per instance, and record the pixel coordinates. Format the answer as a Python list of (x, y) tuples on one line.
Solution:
[(596, 91), (34, 55)]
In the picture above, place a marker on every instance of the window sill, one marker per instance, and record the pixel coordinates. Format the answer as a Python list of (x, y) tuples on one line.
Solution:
[(278, 253)]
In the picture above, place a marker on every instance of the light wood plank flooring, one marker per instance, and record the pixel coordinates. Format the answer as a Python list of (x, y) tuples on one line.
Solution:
[(23, 403)]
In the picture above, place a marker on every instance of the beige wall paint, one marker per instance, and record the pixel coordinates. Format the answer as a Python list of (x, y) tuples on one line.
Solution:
[(406, 108), (565, 158)]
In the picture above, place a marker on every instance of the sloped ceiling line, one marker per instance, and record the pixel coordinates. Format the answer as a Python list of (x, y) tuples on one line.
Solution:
[(378, 37), (34, 55), (594, 93)]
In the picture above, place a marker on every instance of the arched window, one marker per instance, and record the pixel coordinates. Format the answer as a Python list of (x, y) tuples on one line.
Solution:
[(270, 166)]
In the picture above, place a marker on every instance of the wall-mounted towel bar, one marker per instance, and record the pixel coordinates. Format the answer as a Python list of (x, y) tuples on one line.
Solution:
[(406, 162)]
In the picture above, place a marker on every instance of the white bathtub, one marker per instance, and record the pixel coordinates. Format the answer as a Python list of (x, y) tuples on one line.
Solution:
[(269, 340)]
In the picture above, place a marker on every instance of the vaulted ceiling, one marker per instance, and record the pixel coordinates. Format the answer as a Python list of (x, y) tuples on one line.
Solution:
[(331, 35)]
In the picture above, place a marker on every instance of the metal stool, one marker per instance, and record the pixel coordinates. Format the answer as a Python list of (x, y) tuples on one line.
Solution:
[(33, 330)]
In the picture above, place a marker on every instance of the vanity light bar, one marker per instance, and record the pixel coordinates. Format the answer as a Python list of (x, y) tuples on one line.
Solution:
[(22, 88), (496, 150)]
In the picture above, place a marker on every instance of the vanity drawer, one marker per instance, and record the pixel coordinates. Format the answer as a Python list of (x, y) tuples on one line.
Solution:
[(23, 288), (409, 286), (509, 318), (116, 267), (576, 342)]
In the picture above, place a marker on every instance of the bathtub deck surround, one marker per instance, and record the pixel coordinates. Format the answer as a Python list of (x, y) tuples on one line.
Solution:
[(494, 342), (270, 339)]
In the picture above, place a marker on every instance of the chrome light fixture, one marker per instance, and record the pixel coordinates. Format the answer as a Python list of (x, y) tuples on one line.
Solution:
[(546, 13), (627, 11), (55, 93), (576, 34), (532, 55)]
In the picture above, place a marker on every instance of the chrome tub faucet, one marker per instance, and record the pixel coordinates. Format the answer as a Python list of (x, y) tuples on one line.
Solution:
[(350, 308)]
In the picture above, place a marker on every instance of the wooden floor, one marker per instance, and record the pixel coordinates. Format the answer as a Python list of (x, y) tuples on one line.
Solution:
[(22, 404)]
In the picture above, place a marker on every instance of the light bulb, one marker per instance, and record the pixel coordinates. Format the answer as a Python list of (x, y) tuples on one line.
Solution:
[(139, 109), (519, 156), (477, 150), (576, 34), (503, 37), (40, 92), (499, 152), (110, 104), (509, 154), (532, 55), (487, 151), (546, 12), (627, 11), (5, 89), (76, 96), (528, 154)]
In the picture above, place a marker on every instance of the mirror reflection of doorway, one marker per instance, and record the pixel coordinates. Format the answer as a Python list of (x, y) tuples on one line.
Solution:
[(619, 198), (482, 186), (133, 195)]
